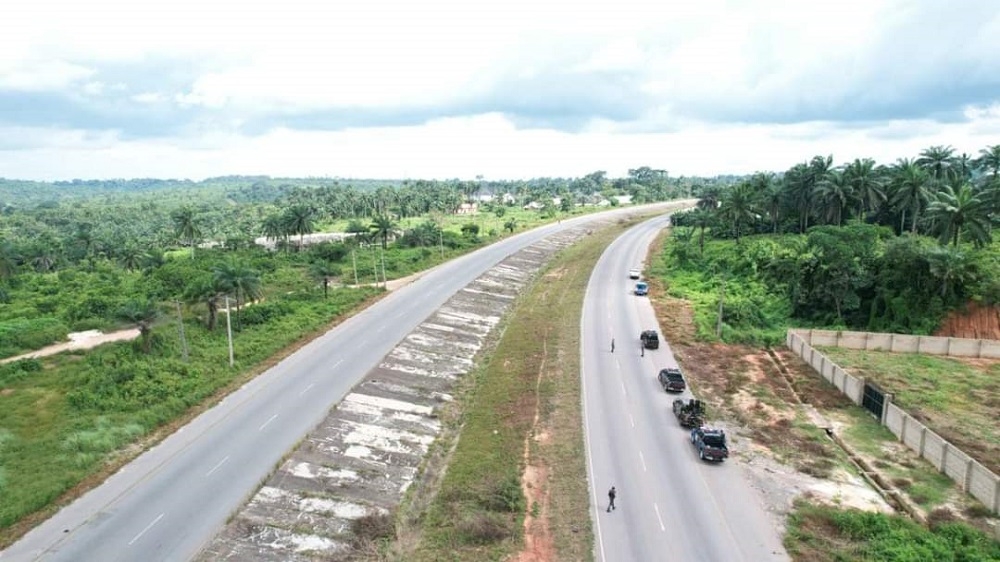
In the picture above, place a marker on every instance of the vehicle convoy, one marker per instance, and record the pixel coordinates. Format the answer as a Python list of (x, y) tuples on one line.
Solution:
[(672, 380), (649, 339), (710, 443), (641, 289), (690, 414)]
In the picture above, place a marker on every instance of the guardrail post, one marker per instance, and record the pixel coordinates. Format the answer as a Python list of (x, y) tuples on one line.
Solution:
[(923, 439), (996, 499)]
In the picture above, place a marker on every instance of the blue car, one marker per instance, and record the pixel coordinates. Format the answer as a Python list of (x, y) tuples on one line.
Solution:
[(641, 289)]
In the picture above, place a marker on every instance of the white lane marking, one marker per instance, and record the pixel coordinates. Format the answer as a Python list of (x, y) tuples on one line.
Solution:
[(623, 388), (631, 420), (658, 518), (216, 467), (339, 361), (271, 419), (306, 389), (143, 532), (642, 459)]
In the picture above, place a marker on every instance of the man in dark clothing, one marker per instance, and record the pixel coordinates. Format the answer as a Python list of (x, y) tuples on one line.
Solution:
[(612, 345), (642, 349), (611, 498)]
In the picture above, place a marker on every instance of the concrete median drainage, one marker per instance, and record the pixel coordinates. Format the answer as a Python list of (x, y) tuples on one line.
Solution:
[(362, 458)]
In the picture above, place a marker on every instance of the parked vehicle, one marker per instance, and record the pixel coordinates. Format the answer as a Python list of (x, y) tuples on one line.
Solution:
[(672, 380), (711, 443), (690, 414), (634, 273), (650, 339), (641, 289)]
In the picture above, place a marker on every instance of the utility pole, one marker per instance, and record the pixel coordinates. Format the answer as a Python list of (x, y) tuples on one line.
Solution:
[(375, 265), (385, 284), (718, 323), (354, 260), (180, 325), (229, 330), (441, 240)]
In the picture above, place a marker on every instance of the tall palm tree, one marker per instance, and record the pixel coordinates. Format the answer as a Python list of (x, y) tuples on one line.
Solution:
[(989, 161), (737, 207), (950, 266), (939, 161), (382, 227), (130, 257), (701, 219), (301, 220), (909, 191), (866, 183), (274, 228), (770, 194), (958, 212), (186, 226), (235, 278), (800, 187), (142, 313), (207, 290), (837, 196)]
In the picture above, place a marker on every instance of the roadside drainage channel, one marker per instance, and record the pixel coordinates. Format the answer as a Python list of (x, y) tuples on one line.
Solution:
[(365, 454)]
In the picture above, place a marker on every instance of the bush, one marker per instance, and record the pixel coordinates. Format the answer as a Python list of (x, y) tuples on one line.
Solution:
[(22, 334), (17, 370), (484, 528)]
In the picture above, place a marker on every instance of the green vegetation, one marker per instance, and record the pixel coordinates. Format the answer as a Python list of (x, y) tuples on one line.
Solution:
[(820, 533), (850, 246)]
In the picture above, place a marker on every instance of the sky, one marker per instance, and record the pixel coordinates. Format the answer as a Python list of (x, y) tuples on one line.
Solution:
[(511, 89)]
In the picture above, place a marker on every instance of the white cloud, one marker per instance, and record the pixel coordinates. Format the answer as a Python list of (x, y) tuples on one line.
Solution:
[(696, 85)]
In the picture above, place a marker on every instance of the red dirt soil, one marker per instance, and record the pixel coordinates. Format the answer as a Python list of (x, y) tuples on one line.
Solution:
[(976, 321)]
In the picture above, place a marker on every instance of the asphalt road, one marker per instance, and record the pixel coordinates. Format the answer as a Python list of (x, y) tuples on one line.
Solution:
[(172, 499), (670, 504)]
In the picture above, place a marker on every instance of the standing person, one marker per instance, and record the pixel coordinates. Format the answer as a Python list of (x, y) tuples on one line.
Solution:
[(642, 349), (612, 345), (611, 498)]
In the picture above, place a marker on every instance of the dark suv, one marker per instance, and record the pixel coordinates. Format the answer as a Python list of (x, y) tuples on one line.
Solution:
[(672, 380), (649, 339)]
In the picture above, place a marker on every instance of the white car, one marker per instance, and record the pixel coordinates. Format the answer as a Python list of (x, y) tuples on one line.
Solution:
[(634, 274)]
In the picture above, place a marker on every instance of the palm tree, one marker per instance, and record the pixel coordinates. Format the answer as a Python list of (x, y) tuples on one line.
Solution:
[(866, 183), (950, 266), (910, 191), (186, 226), (209, 291), (382, 226), (9, 260), (960, 212), (701, 219), (237, 279), (989, 161), (770, 194), (836, 195), (152, 259), (130, 257), (737, 207), (324, 271), (300, 219), (939, 161), (801, 189), (274, 228), (142, 313)]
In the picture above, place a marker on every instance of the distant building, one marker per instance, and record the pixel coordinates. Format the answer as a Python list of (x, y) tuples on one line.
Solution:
[(467, 209)]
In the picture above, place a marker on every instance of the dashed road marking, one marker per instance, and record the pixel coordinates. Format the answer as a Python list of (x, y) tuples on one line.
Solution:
[(148, 527), (216, 467), (271, 419), (658, 518), (306, 389)]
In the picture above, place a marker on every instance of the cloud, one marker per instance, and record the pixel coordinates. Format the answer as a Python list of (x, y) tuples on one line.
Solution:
[(179, 80)]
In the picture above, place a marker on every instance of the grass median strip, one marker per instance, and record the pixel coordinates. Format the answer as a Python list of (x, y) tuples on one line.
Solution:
[(520, 452)]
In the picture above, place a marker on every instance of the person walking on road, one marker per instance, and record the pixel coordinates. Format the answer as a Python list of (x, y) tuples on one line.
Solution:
[(612, 345), (642, 349), (611, 498)]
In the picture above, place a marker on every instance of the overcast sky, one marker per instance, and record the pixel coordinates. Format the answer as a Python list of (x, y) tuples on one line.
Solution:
[(503, 89)]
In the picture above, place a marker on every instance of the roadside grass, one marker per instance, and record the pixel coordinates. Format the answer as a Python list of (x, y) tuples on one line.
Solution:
[(818, 533), (958, 399), (480, 509), (69, 420)]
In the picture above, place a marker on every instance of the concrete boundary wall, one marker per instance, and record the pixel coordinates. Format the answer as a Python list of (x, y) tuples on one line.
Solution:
[(973, 477), (902, 343)]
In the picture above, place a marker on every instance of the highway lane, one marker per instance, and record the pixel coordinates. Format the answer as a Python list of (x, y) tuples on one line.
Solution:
[(173, 498), (671, 505)]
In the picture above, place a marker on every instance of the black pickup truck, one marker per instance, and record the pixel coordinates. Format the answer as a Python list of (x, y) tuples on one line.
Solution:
[(672, 380), (711, 443)]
